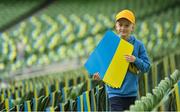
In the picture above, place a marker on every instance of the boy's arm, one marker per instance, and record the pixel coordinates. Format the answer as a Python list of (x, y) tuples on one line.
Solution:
[(142, 62)]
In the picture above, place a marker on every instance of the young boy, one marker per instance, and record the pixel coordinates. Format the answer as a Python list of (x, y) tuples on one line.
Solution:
[(121, 98)]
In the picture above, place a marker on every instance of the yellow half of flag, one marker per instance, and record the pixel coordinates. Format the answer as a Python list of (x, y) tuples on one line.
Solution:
[(117, 69)]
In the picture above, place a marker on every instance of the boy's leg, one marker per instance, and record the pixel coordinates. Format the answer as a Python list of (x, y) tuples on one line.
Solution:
[(121, 103)]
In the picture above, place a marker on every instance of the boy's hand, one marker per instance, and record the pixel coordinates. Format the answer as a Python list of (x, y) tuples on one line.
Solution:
[(130, 58), (96, 76)]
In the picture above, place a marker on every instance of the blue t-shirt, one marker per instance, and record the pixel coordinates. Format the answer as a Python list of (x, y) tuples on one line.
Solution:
[(129, 87)]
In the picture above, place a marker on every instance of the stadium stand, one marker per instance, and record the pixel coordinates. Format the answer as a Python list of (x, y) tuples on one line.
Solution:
[(67, 30)]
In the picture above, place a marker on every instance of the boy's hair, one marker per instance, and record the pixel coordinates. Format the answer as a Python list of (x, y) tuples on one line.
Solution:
[(127, 14)]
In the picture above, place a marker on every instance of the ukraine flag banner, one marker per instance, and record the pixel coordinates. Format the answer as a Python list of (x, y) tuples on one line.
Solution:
[(108, 59)]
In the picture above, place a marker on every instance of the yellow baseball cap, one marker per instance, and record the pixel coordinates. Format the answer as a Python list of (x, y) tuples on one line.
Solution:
[(127, 14)]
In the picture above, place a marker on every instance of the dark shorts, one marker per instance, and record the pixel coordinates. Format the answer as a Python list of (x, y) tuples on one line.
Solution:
[(121, 103)]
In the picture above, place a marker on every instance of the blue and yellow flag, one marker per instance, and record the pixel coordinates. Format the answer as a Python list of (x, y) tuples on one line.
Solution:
[(52, 99), (27, 106), (8, 103), (108, 59), (86, 101), (61, 105), (64, 93), (50, 109), (80, 106)]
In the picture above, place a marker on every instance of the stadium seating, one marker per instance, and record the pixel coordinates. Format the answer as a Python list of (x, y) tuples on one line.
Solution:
[(63, 37), (67, 30)]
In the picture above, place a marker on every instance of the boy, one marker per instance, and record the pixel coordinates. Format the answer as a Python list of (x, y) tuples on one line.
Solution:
[(121, 98)]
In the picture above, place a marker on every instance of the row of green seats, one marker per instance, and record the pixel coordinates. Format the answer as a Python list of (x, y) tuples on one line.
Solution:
[(149, 102), (13, 9), (50, 84), (64, 51), (64, 94), (32, 88), (95, 7), (158, 71)]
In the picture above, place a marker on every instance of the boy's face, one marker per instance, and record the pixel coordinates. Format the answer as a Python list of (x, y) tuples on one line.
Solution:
[(124, 27)]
